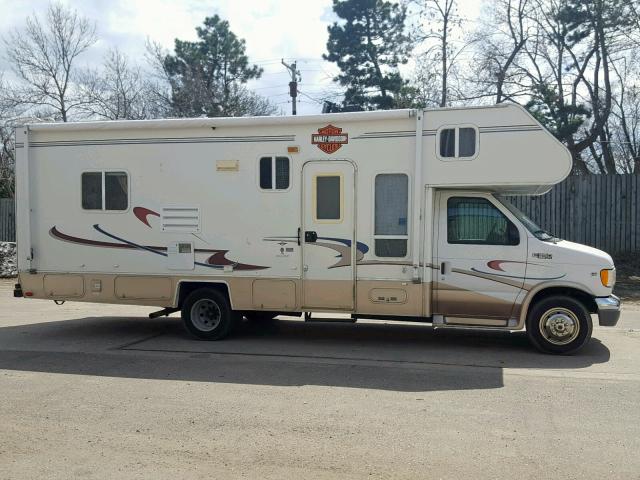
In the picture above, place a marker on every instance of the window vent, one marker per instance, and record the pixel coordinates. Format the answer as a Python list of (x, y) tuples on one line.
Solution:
[(181, 219)]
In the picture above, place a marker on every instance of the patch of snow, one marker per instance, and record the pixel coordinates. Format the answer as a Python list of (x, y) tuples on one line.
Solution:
[(8, 260)]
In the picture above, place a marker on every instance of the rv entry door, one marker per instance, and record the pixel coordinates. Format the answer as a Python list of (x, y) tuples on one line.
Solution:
[(327, 235)]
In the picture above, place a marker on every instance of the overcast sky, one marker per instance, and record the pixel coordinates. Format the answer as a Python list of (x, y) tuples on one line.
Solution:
[(273, 29)]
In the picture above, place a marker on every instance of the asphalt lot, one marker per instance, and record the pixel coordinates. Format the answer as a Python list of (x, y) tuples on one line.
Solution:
[(90, 391)]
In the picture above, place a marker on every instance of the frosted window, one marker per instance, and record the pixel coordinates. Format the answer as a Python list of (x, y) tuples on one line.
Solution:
[(282, 173), (391, 204), (391, 247), (391, 209)]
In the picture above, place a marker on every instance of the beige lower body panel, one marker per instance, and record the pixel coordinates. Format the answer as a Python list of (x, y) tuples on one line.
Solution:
[(458, 302), (372, 297), (328, 295), (388, 297)]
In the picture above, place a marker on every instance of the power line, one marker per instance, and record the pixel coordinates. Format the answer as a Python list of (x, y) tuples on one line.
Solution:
[(270, 87), (321, 102)]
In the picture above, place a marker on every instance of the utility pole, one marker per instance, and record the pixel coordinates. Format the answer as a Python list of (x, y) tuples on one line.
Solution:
[(293, 84)]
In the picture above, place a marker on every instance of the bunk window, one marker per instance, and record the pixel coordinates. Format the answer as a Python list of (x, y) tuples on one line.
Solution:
[(274, 173), (476, 221), (458, 143), (391, 209), (328, 198), (107, 191), (448, 142), (467, 144)]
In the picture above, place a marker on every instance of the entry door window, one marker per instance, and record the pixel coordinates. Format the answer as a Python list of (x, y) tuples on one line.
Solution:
[(328, 198)]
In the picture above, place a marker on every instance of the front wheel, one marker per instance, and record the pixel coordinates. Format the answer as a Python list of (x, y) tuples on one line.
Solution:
[(207, 315), (560, 325)]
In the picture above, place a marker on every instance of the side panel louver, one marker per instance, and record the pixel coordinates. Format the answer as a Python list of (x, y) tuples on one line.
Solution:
[(185, 219)]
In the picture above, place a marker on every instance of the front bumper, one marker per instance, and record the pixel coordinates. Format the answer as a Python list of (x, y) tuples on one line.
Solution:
[(609, 309)]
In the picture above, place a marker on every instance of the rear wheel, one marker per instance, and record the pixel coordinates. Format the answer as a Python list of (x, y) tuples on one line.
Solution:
[(559, 324), (207, 315)]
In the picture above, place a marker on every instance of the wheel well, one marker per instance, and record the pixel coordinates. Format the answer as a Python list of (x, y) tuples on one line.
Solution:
[(185, 288), (583, 297)]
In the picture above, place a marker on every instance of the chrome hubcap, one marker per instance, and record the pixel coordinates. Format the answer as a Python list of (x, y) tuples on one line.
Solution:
[(559, 326), (205, 315)]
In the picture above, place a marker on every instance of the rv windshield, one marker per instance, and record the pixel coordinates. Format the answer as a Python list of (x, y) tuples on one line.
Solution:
[(529, 224)]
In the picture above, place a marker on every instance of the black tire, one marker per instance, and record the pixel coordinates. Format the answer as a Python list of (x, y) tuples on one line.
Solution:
[(262, 317), (551, 325), (207, 315)]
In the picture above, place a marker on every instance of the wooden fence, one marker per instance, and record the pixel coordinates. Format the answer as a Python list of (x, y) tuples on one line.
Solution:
[(598, 210), (7, 220)]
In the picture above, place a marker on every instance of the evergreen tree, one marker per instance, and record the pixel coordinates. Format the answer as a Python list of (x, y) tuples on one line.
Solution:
[(206, 76), (368, 45)]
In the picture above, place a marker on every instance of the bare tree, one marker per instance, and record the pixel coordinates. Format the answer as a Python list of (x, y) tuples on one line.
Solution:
[(117, 91), (500, 41), (43, 57), (569, 57), (439, 21), (427, 81), (625, 122), (158, 80), (7, 158)]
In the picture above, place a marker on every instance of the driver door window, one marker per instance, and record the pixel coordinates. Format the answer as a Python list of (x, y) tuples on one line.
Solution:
[(476, 221)]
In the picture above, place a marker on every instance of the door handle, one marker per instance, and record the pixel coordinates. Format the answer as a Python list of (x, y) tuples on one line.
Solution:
[(299, 230), (445, 267)]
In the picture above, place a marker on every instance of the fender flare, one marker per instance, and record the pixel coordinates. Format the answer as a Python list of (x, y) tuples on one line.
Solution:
[(526, 303)]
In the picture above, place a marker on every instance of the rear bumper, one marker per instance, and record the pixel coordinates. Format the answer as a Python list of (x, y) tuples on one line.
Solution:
[(609, 309)]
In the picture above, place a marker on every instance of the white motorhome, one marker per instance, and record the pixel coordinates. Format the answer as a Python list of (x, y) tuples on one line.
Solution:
[(390, 215)]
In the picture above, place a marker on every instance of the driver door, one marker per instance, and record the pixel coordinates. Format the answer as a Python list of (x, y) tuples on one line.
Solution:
[(480, 256)]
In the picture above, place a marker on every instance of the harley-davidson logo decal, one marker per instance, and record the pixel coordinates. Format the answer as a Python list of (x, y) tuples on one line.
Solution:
[(329, 139)]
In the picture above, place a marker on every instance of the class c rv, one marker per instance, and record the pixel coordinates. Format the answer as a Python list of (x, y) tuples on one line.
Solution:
[(394, 215)]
